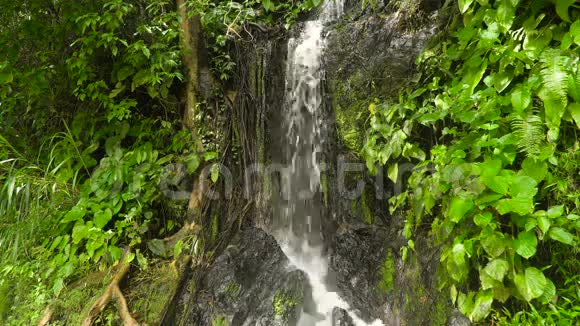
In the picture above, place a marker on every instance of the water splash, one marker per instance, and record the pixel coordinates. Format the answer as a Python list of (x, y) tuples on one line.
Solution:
[(298, 219)]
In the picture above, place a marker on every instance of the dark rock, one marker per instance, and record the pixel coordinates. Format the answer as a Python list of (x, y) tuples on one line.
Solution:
[(341, 318), (249, 284), (355, 258), (458, 319)]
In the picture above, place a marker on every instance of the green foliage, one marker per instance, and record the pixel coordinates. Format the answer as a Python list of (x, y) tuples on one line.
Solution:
[(387, 272), (88, 127), (219, 321), (233, 289), (493, 180), (224, 21), (146, 56), (283, 303)]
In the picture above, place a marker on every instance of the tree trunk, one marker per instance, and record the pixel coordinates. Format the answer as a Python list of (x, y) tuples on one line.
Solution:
[(190, 43)]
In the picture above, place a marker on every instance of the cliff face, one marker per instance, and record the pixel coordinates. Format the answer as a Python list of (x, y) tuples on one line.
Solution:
[(370, 54)]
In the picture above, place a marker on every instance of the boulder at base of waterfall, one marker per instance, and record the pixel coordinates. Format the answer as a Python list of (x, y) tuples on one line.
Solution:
[(341, 318), (248, 284)]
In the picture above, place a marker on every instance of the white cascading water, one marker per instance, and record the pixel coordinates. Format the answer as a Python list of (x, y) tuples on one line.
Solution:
[(298, 226)]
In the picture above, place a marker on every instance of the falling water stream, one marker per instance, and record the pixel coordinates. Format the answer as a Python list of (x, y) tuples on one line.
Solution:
[(298, 219)]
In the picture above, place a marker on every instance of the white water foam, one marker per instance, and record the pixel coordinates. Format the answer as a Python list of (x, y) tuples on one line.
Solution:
[(299, 234)]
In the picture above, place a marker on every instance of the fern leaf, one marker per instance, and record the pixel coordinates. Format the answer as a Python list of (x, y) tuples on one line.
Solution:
[(555, 75), (574, 86), (530, 134)]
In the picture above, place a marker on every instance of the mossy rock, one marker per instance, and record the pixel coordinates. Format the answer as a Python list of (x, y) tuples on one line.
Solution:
[(150, 291)]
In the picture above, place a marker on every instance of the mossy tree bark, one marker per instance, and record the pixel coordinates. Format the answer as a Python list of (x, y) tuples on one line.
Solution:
[(195, 62), (190, 43)]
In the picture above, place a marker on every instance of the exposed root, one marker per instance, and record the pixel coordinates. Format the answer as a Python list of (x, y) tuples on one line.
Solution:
[(113, 292), (187, 230), (46, 316)]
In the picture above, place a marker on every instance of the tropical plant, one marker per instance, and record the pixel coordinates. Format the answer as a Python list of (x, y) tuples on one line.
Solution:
[(499, 98)]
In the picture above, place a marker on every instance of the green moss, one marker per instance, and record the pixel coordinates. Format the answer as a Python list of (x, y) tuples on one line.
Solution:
[(324, 185), (233, 289), (416, 298), (440, 311), (350, 112), (215, 225), (387, 271), (74, 302), (219, 321), (367, 213), (283, 303), (149, 292)]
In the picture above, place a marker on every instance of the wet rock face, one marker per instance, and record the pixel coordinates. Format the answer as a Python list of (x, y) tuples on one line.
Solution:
[(341, 318), (457, 319), (378, 46), (371, 55), (248, 284), (355, 260)]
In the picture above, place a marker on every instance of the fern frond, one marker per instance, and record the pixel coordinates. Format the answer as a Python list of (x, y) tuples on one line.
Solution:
[(530, 134), (555, 75), (574, 86)]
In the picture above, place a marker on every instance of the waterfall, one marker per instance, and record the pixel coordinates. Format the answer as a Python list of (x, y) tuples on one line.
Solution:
[(298, 218)]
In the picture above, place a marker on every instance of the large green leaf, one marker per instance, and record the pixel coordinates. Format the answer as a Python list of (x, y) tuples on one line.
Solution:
[(532, 284), (497, 269), (76, 213), (555, 211), (544, 224), (523, 186), (268, 5), (494, 244), (393, 172), (535, 168), (505, 14), (464, 5), (562, 9), (482, 305), (102, 218), (472, 77), (488, 282), (536, 281), (549, 292), (6, 77), (518, 205), (80, 231), (502, 80), (526, 244), (574, 110), (487, 39), (499, 184), (465, 303), (490, 168), (482, 219), (459, 207), (561, 235), (521, 98), (457, 263), (575, 30)]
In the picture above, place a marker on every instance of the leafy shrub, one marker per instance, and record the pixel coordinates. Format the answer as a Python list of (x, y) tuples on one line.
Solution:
[(500, 100)]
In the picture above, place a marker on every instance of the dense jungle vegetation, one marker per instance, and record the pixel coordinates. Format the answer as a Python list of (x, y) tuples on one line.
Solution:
[(100, 101)]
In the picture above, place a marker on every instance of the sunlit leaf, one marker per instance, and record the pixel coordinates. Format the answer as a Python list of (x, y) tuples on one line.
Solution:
[(561, 235), (526, 244)]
